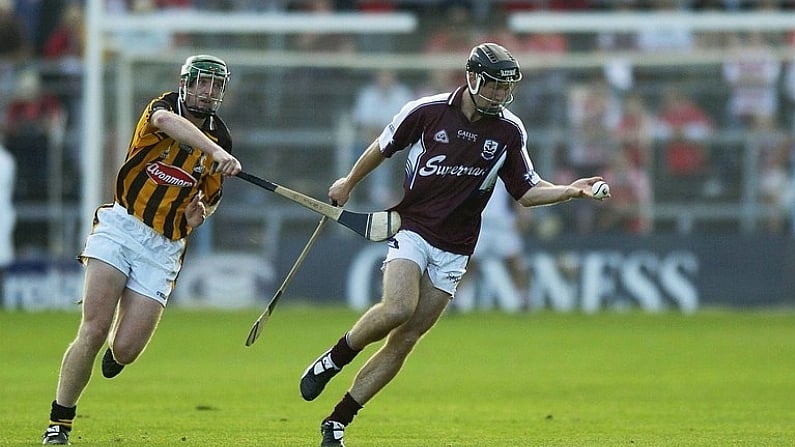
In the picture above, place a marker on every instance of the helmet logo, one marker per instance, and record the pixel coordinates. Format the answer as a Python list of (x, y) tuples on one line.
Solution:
[(508, 73)]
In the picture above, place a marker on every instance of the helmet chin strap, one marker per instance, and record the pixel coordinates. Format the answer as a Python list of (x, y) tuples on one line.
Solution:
[(479, 109)]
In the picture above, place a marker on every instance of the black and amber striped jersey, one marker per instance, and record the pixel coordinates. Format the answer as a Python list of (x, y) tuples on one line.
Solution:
[(160, 176)]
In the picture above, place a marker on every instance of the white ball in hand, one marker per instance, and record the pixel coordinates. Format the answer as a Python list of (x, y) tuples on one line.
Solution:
[(600, 190)]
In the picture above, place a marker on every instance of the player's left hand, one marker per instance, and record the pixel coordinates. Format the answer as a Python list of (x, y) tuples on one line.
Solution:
[(196, 211), (226, 164), (583, 186)]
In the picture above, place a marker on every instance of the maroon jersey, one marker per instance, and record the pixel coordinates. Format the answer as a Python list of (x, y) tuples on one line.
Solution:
[(452, 165)]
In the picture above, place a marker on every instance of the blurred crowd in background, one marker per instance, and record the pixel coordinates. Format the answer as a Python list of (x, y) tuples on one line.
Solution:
[(691, 135)]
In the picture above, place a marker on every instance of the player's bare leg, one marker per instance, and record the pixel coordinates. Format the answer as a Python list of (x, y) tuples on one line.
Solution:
[(136, 320), (385, 364), (401, 293), (102, 288), (104, 285), (402, 283)]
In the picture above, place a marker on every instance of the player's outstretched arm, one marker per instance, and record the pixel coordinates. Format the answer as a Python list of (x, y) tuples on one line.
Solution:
[(182, 130), (546, 193)]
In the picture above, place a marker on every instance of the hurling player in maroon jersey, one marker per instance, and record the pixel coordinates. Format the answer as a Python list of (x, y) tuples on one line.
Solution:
[(457, 144), (165, 188)]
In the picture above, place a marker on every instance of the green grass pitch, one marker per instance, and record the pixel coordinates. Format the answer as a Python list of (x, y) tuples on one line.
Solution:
[(714, 378)]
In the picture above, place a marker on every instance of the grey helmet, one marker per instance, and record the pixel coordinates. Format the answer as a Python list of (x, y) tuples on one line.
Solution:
[(492, 63), (202, 85)]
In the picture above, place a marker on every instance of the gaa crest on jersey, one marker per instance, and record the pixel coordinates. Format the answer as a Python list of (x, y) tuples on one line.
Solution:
[(441, 137), (199, 168), (489, 149), (167, 175)]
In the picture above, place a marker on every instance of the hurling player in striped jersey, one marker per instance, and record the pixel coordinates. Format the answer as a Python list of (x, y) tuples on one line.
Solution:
[(166, 187), (457, 144)]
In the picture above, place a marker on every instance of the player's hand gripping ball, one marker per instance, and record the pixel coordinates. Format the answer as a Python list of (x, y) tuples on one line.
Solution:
[(600, 190)]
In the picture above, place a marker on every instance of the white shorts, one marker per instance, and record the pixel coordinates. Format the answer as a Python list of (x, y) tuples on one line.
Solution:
[(150, 260), (444, 268)]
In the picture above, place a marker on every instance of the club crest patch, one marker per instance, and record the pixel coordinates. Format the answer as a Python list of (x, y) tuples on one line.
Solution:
[(489, 149), (441, 137)]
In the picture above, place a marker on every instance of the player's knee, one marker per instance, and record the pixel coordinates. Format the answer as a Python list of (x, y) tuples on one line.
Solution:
[(403, 341), (92, 335), (125, 353), (396, 315)]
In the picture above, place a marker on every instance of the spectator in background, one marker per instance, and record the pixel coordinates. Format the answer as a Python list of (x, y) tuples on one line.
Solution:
[(683, 129), (545, 85), (66, 41), (377, 6), (654, 37), (593, 115), (666, 37), (792, 198), (313, 82), (439, 80), (752, 71), (149, 41), (789, 82), (613, 44), (789, 76), (14, 40), (8, 215), (776, 187), (501, 33), (174, 4), (322, 42), (45, 17), (376, 104), (15, 47), (635, 131), (629, 209), (34, 121), (552, 5), (27, 16), (454, 33)]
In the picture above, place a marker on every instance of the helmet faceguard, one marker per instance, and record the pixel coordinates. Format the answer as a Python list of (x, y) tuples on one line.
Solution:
[(492, 76), (202, 84)]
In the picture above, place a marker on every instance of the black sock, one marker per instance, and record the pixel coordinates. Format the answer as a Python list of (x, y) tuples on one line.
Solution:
[(63, 416), (342, 353), (345, 410)]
